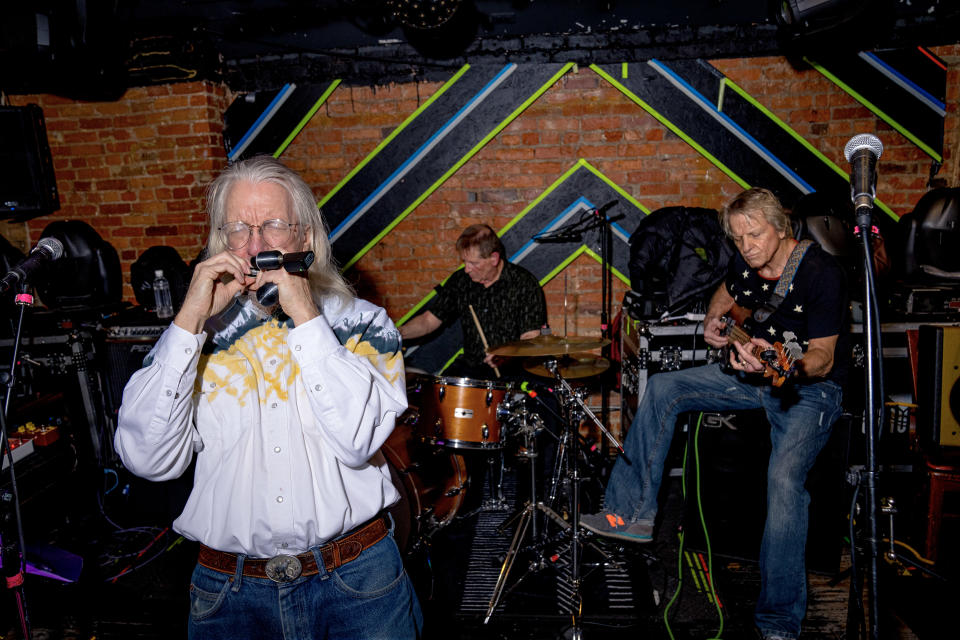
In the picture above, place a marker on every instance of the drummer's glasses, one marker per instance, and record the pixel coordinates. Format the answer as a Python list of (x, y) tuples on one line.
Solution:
[(274, 233)]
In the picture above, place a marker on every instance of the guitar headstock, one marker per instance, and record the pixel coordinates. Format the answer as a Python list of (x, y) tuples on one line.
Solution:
[(780, 362)]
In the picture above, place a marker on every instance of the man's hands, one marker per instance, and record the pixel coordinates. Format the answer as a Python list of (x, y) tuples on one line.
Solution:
[(219, 278), (211, 290), (742, 358), (714, 331)]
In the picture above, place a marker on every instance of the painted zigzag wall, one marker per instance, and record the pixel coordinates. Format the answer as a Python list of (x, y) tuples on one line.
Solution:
[(691, 98)]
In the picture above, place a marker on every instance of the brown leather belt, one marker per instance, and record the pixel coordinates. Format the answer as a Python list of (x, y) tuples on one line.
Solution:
[(284, 568)]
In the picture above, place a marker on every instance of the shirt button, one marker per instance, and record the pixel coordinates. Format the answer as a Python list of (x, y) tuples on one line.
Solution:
[(169, 393), (317, 387), (274, 361), (188, 351), (213, 385), (279, 498), (297, 348), (284, 545), (276, 449), (273, 406)]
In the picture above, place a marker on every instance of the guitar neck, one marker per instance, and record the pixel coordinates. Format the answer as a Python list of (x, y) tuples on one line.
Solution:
[(739, 336)]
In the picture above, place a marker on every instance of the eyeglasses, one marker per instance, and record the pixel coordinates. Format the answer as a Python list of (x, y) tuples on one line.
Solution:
[(274, 233)]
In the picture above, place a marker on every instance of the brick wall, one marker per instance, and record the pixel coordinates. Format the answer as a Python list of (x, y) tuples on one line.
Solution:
[(135, 168)]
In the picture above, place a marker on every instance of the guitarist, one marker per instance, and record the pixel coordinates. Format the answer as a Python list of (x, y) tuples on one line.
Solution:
[(801, 412)]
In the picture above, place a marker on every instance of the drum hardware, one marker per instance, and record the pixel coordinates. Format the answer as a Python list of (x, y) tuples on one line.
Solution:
[(574, 410)]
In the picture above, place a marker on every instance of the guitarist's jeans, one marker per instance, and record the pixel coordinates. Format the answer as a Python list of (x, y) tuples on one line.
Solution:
[(800, 416)]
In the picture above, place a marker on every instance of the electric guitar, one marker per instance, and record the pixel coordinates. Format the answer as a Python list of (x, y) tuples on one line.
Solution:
[(779, 361)]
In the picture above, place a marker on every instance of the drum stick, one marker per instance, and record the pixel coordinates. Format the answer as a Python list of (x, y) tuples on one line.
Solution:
[(483, 338)]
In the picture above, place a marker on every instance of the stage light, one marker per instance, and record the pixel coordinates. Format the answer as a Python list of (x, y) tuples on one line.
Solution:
[(423, 14)]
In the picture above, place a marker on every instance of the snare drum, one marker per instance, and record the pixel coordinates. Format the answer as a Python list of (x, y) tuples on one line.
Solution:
[(460, 413), (432, 483)]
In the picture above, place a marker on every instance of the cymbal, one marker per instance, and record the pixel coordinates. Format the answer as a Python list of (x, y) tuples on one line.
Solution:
[(549, 345), (570, 366)]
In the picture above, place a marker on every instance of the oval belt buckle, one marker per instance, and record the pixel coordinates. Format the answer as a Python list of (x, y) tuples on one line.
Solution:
[(283, 568)]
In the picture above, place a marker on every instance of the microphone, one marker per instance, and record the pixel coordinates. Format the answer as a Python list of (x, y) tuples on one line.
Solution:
[(602, 210), (862, 152), (47, 250), (291, 262), (269, 294)]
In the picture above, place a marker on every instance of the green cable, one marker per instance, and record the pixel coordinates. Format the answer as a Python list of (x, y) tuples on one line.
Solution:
[(676, 594), (703, 523)]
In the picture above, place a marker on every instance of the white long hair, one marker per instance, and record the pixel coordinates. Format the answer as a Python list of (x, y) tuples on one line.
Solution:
[(325, 278)]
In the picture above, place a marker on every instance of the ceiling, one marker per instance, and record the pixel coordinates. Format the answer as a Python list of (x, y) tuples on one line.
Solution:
[(97, 48)]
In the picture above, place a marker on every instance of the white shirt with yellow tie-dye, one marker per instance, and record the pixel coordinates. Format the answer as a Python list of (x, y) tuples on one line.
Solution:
[(286, 422)]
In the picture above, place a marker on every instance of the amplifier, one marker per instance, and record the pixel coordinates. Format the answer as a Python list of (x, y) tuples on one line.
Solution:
[(125, 347), (647, 349), (934, 301)]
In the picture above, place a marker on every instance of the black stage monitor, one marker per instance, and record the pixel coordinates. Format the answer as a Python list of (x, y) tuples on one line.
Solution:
[(28, 187)]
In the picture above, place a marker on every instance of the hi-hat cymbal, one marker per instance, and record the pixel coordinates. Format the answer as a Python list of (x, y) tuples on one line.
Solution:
[(581, 365), (549, 345)]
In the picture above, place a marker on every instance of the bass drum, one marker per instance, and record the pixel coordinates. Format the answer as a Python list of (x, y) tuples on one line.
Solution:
[(432, 483)]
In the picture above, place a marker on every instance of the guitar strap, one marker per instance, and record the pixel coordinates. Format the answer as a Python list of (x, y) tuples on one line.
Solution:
[(763, 312)]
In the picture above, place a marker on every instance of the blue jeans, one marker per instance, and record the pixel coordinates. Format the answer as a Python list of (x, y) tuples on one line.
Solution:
[(370, 597), (801, 417)]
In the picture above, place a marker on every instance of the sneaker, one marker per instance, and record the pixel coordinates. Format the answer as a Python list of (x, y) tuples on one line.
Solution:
[(611, 525)]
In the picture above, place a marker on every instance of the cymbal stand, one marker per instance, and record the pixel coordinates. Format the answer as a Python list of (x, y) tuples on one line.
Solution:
[(570, 398), (531, 425)]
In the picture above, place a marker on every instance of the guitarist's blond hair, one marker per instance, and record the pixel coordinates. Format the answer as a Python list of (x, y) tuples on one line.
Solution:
[(751, 201)]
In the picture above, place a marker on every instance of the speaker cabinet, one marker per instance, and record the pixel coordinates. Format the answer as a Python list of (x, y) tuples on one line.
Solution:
[(938, 386), (734, 448), (125, 347)]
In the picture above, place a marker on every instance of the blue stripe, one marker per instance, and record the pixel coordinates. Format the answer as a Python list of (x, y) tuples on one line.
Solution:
[(581, 203), (440, 131), (266, 113), (907, 81), (773, 159)]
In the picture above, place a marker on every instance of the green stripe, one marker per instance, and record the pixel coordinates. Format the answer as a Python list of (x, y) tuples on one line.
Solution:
[(413, 311), (538, 199), (674, 128), (796, 136), (446, 176), (874, 108), (612, 269), (623, 70), (563, 265), (449, 83), (450, 361), (426, 298), (614, 186), (303, 122)]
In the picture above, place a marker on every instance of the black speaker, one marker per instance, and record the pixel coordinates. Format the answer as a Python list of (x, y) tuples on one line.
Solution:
[(938, 386), (28, 187), (734, 448), (125, 347)]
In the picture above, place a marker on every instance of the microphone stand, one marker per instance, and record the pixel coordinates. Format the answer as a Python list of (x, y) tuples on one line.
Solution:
[(14, 551), (575, 232), (872, 412)]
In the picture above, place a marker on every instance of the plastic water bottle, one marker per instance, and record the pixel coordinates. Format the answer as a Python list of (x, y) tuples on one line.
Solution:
[(161, 295)]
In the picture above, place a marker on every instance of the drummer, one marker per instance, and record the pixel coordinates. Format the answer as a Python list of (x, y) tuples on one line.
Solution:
[(506, 298)]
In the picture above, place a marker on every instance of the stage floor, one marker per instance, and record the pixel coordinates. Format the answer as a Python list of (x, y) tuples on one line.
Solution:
[(624, 590)]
